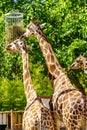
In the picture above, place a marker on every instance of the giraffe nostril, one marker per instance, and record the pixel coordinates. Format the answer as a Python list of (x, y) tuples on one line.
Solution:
[(7, 47)]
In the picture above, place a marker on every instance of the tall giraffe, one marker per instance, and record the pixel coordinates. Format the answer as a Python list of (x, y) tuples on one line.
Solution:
[(79, 63), (66, 100), (36, 116)]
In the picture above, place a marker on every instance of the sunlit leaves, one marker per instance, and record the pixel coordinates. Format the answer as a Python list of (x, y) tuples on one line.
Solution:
[(12, 94)]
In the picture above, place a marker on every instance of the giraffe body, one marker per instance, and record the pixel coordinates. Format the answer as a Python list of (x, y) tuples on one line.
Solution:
[(36, 116), (66, 100)]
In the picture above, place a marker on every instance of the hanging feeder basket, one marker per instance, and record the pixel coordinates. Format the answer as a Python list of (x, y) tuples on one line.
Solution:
[(13, 26)]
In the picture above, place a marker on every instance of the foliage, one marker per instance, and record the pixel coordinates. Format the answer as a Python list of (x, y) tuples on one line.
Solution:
[(12, 94), (41, 82), (66, 29)]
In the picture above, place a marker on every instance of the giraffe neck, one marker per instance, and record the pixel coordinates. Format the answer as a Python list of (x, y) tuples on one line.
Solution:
[(59, 78), (85, 63), (51, 61), (28, 86)]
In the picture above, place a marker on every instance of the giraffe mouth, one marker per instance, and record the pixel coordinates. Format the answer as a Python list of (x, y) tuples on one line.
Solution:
[(8, 48), (69, 68)]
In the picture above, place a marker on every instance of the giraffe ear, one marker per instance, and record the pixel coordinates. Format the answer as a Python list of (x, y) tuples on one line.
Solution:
[(22, 37), (42, 25)]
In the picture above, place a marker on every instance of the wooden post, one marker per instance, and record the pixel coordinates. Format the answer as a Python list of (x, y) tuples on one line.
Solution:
[(12, 125), (7, 119), (0, 118), (4, 118)]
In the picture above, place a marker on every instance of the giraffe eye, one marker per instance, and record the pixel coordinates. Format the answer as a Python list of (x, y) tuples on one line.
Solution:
[(29, 27), (21, 43)]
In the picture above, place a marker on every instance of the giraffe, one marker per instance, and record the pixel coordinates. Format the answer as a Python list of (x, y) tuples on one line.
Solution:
[(79, 63), (36, 116), (66, 100)]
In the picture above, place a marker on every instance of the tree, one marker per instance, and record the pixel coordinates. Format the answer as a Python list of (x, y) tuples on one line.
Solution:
[(66, 23)]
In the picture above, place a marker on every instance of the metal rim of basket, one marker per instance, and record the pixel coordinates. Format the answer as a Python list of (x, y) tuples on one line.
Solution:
[(14, 14)]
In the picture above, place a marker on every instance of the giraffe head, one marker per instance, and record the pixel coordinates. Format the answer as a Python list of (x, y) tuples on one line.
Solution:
[(16, 46), (33, 28), (79, 63)]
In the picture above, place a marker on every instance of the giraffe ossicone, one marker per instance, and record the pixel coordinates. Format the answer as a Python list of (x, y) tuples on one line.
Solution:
[(66, 100), (36, 116)]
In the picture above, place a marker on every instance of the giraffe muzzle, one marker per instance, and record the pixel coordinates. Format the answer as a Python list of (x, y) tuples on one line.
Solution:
[(8, 47)]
